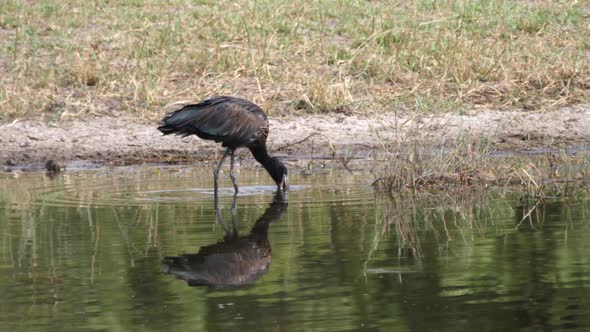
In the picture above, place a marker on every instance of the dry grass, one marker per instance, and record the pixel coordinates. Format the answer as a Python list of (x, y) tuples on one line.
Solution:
[(415, 164), (67, 58)]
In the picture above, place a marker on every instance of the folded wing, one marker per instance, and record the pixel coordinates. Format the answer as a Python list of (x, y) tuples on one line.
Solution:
[(232, 121)]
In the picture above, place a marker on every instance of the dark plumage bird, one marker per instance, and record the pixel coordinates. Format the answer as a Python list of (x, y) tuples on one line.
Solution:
[(235, 261), (235, 123)]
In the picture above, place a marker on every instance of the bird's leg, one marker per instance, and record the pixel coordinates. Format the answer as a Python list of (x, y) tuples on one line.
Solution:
[(218, 168), (218, 214), (234, 209), (232, 174)]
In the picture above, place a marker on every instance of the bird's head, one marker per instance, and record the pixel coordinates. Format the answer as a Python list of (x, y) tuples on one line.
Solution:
[(280, 175)]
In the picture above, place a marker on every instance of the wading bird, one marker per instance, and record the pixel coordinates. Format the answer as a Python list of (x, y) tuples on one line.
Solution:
[(235, 261), (235, 123)]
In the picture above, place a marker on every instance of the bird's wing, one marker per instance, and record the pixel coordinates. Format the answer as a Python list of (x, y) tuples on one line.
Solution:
[(232, 121)]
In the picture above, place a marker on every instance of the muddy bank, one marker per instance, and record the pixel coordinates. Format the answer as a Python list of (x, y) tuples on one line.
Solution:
[(125, 141)]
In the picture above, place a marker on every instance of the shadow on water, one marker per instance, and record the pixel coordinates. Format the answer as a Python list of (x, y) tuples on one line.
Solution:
[(235, 261)]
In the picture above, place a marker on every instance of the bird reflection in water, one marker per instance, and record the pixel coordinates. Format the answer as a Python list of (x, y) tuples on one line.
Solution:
[(235, 261)]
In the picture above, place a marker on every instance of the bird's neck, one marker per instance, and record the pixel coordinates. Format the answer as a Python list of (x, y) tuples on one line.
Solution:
[(273, 212), (261, 155)]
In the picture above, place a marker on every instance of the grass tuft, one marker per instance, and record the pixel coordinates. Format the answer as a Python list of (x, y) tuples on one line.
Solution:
[(416, 165)]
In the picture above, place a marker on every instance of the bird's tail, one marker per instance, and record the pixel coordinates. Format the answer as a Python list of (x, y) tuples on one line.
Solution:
[(178, 122)]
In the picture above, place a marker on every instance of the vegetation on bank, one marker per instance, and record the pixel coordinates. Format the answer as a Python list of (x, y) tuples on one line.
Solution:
[(415, 166), (61, 59)]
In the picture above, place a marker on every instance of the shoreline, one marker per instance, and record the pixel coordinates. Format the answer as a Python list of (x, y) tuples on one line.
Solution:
[(123, 141)]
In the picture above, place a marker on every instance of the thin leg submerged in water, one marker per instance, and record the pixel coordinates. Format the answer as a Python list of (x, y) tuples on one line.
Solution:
[(218, 168), (232, 174)]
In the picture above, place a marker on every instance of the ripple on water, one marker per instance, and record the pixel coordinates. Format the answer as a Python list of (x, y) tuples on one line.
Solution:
[(172, 184), (188, 194), (135, 192), (167, 185)]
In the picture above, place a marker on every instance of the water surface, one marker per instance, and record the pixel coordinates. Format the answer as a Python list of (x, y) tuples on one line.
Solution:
[(85, 250)]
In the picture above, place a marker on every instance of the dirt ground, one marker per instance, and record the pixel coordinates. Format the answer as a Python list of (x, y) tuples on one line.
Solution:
[(121, 141)]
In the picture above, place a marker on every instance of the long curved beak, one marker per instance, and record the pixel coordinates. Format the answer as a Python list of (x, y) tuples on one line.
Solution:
[(285, 183)]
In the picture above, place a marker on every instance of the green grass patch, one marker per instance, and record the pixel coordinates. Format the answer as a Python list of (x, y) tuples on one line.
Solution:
[(102, 57)]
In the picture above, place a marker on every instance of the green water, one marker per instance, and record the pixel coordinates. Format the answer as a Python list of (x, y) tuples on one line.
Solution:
[(84, 251)]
